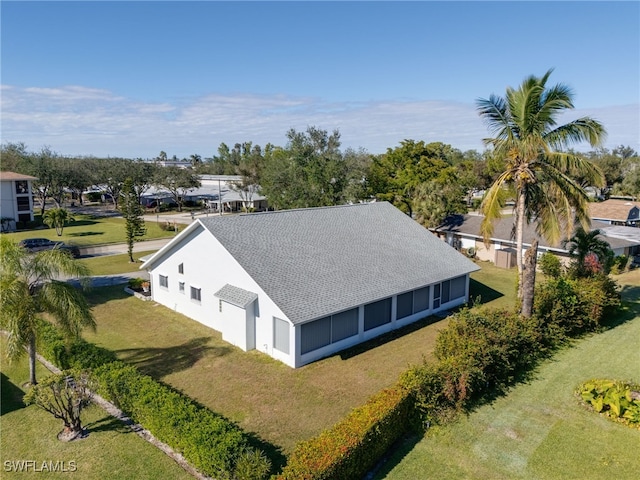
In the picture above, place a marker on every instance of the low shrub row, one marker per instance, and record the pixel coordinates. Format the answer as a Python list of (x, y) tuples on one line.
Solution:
[(353, 446), (209, 442), (480, 353)]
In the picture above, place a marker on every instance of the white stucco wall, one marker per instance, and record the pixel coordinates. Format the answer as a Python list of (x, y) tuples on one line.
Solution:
[(209, 266)]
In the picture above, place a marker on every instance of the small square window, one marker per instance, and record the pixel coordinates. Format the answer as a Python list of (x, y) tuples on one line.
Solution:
[(220, 305), (164, 281), (181, 287), (196, 294), (181, 268)]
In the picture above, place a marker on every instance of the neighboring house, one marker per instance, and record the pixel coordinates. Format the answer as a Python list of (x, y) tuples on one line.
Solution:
[(303, 284), (616, 212), (16, 197), (216, 191), (463, 233)]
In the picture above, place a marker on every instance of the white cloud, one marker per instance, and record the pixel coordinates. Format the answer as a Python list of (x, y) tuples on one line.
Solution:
[(80, 120)]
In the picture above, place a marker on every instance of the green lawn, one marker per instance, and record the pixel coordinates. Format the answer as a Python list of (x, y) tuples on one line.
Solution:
[(494, 286), (87, 230), (539, 430), (280, 404), (114, 264), (111, 450)]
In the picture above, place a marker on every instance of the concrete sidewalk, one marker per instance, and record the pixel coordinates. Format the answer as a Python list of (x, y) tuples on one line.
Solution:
[(118, 248), (109, 280)]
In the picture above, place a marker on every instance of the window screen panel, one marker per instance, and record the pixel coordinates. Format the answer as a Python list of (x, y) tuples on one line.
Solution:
[(164, 281), (315, 335), (421, 300), (281, 335), (445, 291), (344, 325), (458, 287), (404, 305), (377, 313)]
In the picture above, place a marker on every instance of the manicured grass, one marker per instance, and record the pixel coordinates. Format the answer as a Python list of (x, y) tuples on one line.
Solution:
[(87, 230), (495, 287), (539, 430), (111, 450), (280, 404), (114, 264)]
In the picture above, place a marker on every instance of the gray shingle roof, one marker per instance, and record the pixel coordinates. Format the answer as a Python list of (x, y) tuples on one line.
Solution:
[(318, 261), (236, 296)]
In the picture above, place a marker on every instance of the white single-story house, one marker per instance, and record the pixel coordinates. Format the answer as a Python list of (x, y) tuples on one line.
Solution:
[(16, 199), (463, 233), (217, 192), (300, 285)]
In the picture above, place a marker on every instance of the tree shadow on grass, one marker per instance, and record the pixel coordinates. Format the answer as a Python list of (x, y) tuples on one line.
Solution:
[(159, 362), (393, 457), (98, 295), (11, 395), (107, 424), (482, 292), (83, 223), (85, 234), (629, 309)]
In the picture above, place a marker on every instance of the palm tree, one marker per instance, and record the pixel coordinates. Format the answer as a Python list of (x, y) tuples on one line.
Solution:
[(57, 218), (30, 287), (583, 244), (542, 175)]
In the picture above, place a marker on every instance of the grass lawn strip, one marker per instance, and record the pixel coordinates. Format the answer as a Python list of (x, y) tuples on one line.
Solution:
[(114, 264), (109, 451), (539, 430), (87, 230)]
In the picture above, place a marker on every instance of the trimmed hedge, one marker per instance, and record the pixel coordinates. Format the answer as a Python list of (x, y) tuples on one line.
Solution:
[(208, 441), (353, 446), (74, 354)]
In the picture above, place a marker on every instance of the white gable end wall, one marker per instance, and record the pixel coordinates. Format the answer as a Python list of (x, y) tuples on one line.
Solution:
[(207, 265)]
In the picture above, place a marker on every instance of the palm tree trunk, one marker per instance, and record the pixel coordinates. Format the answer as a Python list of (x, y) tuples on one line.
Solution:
[(520, 207), (529, 279), (32, 360)]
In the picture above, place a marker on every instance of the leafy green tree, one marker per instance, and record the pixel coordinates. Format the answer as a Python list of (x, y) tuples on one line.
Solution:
[(14, 157), (527, 136), (395, 175), (64, 396), (57, 218), (133, 212), (30, 287), (309, 172), (177, 181), (587, 247)]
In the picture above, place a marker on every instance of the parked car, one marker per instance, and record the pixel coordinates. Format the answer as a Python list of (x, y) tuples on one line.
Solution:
[(38, 244)]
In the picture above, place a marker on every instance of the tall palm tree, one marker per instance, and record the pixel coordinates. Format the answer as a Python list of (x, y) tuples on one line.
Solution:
[(528, 137), (30, 286), (583, 243)]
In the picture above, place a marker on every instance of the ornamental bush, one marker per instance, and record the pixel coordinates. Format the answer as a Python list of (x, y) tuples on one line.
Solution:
[(571, 306), (619, 401)]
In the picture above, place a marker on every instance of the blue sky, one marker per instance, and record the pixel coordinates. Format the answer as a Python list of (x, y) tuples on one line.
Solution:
[(134, 78)]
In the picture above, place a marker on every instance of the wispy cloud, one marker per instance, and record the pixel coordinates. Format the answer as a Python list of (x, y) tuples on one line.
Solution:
[(80, 120)]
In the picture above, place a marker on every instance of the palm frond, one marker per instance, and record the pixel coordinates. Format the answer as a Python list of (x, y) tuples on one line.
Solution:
[(67, 305)]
